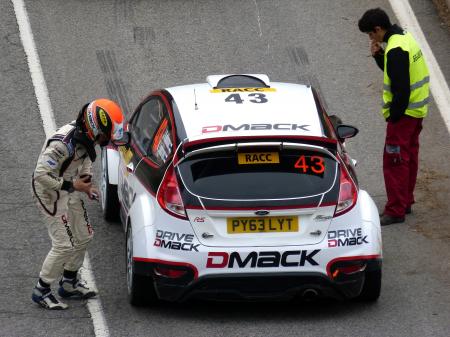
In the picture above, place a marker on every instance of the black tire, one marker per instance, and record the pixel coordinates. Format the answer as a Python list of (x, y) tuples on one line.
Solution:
[(109, 198), (372, 286), (140, 288)]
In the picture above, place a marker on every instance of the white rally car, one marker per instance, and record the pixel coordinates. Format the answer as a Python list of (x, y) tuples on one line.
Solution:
[(241, 189)]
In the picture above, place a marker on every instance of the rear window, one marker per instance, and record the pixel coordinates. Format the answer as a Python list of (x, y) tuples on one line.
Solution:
[(259, 175)]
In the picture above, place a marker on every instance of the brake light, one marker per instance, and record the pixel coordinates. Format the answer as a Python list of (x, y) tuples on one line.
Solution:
[(169, 197), (347, 193)]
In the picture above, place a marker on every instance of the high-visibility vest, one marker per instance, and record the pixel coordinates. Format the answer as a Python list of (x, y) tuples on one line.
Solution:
[(419, 78)]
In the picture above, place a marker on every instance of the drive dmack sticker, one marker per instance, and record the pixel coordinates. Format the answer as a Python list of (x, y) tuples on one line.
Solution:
[(175, 241), (346, 237)]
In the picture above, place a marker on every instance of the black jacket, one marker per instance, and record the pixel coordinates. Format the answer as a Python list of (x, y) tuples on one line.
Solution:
[(398, 71)]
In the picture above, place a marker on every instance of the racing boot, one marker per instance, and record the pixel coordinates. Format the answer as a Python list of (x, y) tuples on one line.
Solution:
[(44, 297), (74, 288)]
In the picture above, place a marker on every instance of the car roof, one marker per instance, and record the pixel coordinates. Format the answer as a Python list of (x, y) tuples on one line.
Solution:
[(285, 109)]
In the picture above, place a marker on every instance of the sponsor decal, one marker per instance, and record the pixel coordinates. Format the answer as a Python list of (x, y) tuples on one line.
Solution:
[(175, 241), (221, 90), (346, 237), (290, 258), (199, 219), (86, 219), (58, 153), (51, 163), (91, 121), (280, 126), (68, 230), (102, 115)]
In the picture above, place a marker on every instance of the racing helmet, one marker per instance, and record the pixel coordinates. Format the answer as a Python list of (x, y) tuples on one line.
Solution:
[(103, 117)]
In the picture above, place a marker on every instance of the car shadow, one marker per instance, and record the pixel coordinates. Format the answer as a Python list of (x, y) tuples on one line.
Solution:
[(258, 311)]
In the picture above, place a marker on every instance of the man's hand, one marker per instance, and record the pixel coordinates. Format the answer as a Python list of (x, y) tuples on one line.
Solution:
[(375, 47), (83, 185), (94, 194)]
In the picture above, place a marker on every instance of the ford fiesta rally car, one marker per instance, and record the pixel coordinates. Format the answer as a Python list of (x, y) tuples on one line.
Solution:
[(240, 188)]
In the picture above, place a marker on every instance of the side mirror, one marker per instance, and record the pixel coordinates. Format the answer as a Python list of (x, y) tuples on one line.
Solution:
[(346, 131), (125, 140)]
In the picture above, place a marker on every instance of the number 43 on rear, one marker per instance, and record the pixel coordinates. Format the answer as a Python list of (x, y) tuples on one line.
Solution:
[(310, 164)]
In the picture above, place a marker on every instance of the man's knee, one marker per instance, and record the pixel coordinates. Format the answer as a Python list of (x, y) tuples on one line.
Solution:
[(61, 249), (83, 243)]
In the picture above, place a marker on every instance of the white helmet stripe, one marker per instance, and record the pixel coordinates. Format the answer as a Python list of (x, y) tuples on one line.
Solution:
[(91, 119)]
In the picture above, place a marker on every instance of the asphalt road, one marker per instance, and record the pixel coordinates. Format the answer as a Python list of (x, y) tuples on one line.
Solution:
[(124, 49)]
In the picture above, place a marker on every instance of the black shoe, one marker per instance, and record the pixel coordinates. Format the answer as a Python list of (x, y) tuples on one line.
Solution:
[(408, 210), (386, 220)]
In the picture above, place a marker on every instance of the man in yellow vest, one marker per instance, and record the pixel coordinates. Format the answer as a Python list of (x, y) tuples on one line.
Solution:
[(404, 105)]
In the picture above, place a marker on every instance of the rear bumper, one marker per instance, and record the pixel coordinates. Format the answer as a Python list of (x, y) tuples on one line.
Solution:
[(254, 286)]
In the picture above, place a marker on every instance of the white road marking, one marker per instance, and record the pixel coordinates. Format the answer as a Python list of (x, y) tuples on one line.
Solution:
[(258, 17), (94, 304), (438, 84), (34, 65), (48, 121)]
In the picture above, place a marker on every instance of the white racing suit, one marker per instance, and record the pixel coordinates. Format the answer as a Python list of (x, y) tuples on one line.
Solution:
[(61, 162)]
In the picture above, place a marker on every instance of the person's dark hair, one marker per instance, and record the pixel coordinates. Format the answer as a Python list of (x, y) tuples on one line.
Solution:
[(372, 18)]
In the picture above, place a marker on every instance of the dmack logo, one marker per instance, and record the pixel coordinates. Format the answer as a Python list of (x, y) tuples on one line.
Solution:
[(346, 237), (291, 258), (229, 127)]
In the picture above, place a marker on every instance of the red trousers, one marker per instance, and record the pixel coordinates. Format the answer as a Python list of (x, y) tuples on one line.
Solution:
[(401, 163)]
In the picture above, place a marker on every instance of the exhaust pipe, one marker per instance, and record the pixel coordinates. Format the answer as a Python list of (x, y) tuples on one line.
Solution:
[(310, 294)]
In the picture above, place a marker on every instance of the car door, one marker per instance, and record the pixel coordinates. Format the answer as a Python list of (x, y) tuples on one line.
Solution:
[(150, 148)]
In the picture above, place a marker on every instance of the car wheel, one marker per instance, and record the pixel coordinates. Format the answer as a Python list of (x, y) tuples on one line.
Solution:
[(109, 198), (372, 286), (140, 288)]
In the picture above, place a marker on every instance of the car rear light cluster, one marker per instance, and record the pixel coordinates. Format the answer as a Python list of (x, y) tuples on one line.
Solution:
[(347, 192), (169, 197), (345, 267), (169, 272), (349, 269)]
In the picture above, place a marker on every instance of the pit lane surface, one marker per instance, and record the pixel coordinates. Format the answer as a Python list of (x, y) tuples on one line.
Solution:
[(124, 49)]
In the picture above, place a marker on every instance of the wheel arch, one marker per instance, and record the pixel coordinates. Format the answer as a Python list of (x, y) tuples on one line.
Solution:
[(141, 217)]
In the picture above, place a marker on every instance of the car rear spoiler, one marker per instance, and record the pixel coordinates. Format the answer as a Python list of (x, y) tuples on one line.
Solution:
[(329, 143), (320, 144)]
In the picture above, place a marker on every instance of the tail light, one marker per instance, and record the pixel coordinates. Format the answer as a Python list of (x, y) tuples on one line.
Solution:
[(347, 193), (169, 197)]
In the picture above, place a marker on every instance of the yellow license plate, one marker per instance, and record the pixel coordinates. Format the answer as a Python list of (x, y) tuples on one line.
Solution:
[(258, 158), (270, 224)]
